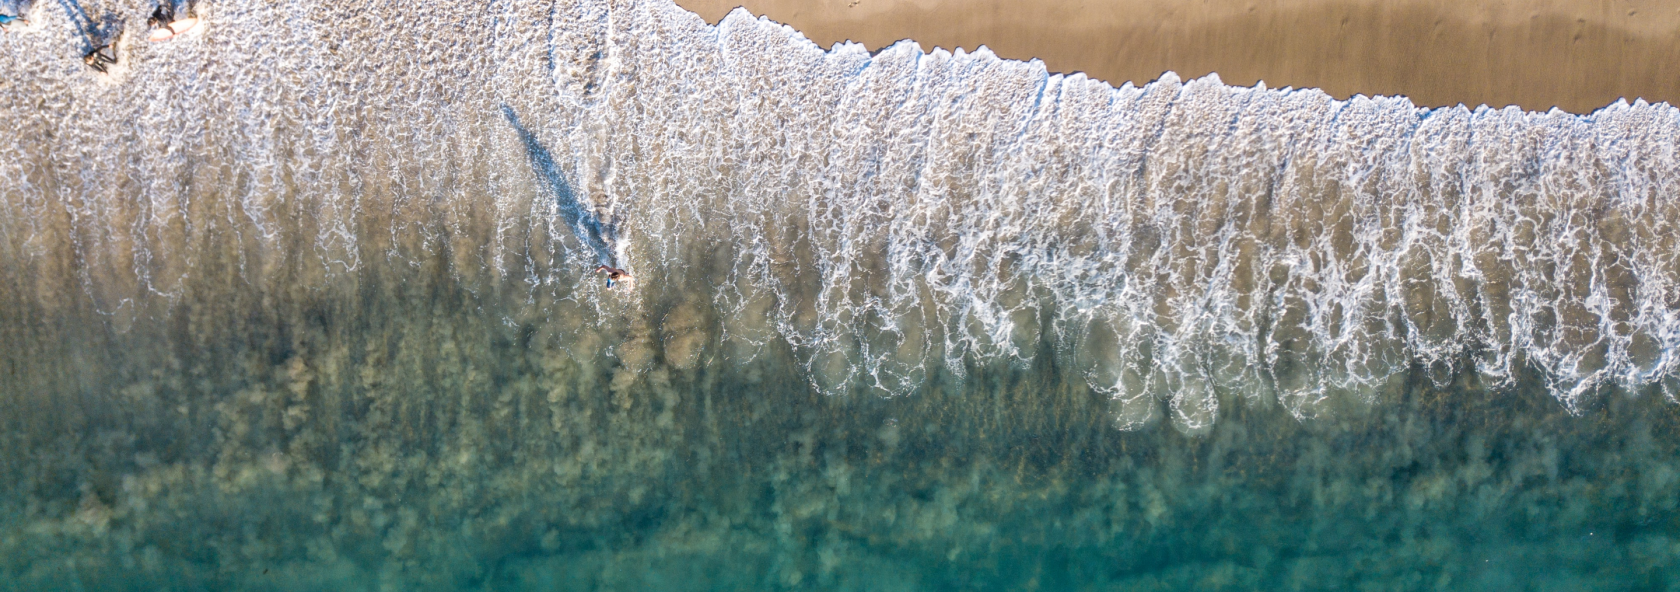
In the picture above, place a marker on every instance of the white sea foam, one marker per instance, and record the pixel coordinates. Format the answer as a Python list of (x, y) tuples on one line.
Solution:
[(891, 217)]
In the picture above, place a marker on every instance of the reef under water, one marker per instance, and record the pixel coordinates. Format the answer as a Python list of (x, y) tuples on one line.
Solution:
[(308, 303)]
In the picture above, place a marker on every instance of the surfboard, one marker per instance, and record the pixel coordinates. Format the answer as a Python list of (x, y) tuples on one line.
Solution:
[(185, 27), (190, 26)]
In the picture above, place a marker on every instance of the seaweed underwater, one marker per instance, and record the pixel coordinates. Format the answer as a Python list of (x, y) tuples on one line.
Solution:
[(284, 309)]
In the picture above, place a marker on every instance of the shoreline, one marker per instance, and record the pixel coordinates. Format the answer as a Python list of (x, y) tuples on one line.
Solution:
[(1575, 55)]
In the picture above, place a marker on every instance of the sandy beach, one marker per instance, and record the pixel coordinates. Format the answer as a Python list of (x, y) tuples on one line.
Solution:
[(1577, 55)]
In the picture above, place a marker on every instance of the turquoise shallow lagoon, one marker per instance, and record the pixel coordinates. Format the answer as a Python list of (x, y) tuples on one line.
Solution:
[(388, 449), (307, 303)]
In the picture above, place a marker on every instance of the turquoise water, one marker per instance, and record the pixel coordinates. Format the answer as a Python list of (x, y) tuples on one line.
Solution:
[(307, 303)]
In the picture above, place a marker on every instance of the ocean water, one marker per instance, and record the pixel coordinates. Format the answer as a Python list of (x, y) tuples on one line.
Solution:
[(307, 303)]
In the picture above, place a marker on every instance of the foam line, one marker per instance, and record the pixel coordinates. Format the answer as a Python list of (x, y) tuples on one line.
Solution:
[(890, 219)]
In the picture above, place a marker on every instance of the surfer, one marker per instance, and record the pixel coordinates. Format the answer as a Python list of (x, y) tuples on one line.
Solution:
[(97, 59), (165, 26), (614, 274), (162, 15), (7, 21)]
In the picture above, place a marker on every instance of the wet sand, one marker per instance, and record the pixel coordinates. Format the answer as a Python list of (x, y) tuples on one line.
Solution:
[(1577, 55)]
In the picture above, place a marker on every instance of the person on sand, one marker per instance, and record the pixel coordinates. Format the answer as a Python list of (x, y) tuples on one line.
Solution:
[(614, 274), (6, 21)]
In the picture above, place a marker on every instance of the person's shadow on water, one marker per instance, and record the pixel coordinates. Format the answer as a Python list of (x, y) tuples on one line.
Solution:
[(95, 36), (584, 224)]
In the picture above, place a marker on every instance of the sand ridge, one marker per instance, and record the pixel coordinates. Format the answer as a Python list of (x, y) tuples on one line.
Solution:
[(1573, 54)]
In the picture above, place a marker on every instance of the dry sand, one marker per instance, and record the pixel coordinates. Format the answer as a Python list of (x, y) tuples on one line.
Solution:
[(1577, 55)]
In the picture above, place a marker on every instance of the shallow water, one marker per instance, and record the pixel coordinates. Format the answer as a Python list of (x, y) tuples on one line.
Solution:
[(306, 303)]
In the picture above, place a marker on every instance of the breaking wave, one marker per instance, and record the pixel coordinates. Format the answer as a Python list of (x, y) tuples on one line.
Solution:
[(889, 217)]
